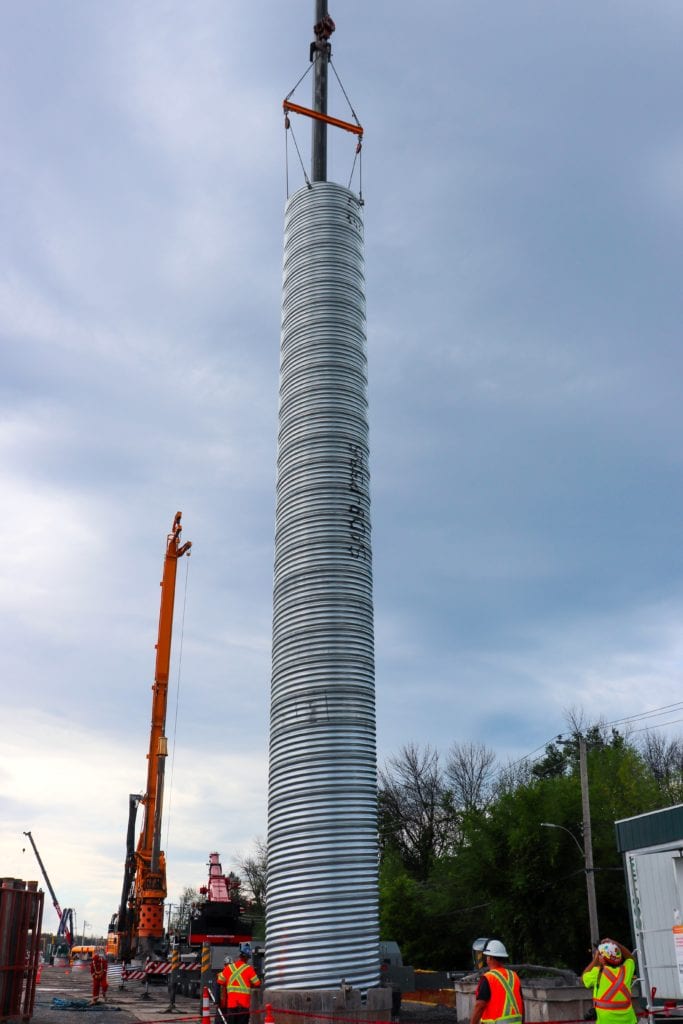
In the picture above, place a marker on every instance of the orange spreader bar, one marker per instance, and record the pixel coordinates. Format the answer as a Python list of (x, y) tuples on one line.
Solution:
[(346, 125)]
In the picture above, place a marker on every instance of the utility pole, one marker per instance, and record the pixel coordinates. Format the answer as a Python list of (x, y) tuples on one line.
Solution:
[(321, 51), (588, 846)]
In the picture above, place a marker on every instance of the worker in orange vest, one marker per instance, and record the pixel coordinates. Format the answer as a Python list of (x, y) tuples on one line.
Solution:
[(98, 970), (236, 981), (499, 993), (610, 975)]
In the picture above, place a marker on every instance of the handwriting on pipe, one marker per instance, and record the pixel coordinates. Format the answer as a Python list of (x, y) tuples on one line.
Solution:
[(359, 527)]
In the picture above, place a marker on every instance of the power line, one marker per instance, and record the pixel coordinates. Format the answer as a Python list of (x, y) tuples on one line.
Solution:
[(652, 713), (646, 728)]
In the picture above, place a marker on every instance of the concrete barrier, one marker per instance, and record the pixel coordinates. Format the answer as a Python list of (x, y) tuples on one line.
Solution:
[(544, 1000)]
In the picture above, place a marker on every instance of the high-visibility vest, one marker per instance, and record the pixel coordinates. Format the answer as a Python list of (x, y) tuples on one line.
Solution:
[(615, 994), (98, 967), (238, 979), (505, 1003)]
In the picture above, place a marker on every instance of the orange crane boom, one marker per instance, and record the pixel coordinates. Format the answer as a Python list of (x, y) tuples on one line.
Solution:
[(140, 924)]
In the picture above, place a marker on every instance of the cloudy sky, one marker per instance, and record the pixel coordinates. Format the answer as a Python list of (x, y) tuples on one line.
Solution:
[(523, 179)]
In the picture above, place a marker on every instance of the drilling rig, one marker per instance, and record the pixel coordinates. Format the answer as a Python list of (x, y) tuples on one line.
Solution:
[(138, 926)]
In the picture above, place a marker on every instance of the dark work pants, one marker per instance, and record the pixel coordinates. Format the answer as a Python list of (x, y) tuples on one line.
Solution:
[(234, 1015), (237, 1015)]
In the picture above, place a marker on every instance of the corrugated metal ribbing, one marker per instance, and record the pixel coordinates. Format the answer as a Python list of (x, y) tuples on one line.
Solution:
[(321, 921)]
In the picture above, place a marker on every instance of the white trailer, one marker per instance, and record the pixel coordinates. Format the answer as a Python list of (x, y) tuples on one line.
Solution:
[(652, 847)]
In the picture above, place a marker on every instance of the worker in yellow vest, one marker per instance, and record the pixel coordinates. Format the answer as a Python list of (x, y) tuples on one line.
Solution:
[(236, 981), (499, 993), (610, 975)]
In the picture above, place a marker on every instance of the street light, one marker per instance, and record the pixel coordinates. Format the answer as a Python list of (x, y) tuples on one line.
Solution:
[(589, 871), (549, 824)]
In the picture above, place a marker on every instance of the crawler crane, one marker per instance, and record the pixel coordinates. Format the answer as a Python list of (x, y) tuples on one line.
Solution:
[(138, 927), (66, 916)]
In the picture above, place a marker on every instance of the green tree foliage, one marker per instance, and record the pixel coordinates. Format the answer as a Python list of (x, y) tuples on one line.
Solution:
[(403, 915), (463, 862), (423, 810)]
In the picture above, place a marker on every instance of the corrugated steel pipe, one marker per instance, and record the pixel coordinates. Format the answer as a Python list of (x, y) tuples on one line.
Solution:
[(322, 905)]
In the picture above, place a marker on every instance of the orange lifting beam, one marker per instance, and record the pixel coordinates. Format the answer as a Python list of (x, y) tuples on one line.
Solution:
[(318, 116)]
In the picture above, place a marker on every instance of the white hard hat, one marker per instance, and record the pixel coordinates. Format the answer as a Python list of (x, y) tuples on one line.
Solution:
[(494, 947)]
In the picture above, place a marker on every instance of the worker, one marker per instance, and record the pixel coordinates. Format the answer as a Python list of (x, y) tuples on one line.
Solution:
[(98, 970), (610, 975), (222, 1008), (236, 981), (499, 992)]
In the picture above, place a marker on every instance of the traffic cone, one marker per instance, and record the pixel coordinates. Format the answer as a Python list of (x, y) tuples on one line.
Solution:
[(269, 1019), (206, 1009)]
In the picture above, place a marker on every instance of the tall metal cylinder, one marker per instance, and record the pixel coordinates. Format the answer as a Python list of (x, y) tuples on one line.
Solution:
[(322, 900)]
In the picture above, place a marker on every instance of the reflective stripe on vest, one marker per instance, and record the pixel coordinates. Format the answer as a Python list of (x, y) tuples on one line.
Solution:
[(506, 999), (616, 996), (237, 982)]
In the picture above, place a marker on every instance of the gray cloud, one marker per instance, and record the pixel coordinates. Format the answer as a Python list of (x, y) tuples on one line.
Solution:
[(521, 169)]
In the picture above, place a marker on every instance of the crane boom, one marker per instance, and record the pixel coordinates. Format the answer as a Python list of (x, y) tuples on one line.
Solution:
[(141, 915), (65, 916)]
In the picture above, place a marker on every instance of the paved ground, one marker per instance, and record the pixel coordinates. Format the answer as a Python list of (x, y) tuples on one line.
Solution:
[(122, 1006), (127, 1006)]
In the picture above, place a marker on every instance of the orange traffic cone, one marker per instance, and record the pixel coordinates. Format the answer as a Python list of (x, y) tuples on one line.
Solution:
[(269, 1019), (206, 1009)]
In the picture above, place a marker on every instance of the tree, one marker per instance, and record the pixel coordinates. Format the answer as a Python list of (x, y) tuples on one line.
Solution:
[(180, 919), (470, 772), (562, 755), (255, 872), (511, 776), (464, 853), (531, 880), (555, 764), (416, 816), (664, 758), (402, 909)]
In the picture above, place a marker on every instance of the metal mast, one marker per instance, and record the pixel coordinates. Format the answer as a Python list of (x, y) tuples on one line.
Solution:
[(321, 51)]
